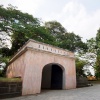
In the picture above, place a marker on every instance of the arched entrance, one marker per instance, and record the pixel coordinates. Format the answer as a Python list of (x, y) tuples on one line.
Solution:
[(52, 77)]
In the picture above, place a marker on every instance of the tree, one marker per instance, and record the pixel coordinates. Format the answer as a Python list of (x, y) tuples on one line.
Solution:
[(55, 28), (68, 41), (89, 56), (17, 27), (65, 39), (97, 66), (73, 42), (80, 67), (21, 27), (91, 52)]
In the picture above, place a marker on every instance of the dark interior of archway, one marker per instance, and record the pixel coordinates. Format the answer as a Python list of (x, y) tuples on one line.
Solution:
[(52, 77), (56, 77)]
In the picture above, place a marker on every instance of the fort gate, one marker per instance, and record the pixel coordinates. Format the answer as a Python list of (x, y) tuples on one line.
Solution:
[(43, 66)]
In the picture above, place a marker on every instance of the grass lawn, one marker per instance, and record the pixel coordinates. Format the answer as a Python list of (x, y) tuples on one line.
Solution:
[(3, 79)]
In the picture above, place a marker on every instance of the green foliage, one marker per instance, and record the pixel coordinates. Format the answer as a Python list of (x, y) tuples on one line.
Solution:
[(65, 39), (4, 55), (55, 29), (1, 75), (21, 27), (4, 60), (97, 65), (90, 54), (72, 42), (91, 43), (79, 67), (97, 72)]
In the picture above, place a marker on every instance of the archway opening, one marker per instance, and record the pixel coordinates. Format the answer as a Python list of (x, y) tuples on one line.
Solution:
[(52, 77)]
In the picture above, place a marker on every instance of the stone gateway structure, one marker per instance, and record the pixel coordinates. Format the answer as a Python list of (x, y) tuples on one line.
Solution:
[(43, 66)]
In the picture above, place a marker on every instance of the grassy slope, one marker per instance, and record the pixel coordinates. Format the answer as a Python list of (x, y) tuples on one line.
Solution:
[(3, 79)]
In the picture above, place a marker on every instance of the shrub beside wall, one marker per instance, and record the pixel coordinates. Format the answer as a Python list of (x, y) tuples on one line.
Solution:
[(10, 89)]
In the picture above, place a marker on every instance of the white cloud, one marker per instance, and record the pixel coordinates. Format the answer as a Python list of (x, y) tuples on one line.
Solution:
[(75, 18), (80, 21), (73, 15), (29, 6)]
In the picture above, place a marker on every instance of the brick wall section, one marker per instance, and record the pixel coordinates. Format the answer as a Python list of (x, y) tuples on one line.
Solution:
[(10, 89)]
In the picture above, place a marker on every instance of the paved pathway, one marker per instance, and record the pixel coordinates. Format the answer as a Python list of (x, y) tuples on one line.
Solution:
[(87, 93)]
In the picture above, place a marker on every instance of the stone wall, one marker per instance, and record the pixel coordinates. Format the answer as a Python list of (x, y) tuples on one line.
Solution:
[(82, 81), (10, 89)]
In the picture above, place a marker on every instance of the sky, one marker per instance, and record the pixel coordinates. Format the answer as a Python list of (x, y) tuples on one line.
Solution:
[(79, 16)]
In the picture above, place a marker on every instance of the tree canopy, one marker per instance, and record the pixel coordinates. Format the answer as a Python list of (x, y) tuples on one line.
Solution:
[(17, 27), (97, 65), (80, 67), (21, 27), (65, 39)]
